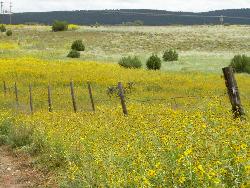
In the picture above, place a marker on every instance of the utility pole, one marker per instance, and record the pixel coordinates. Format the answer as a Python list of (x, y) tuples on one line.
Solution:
[(221, 19), (11, 12), (1, 12)]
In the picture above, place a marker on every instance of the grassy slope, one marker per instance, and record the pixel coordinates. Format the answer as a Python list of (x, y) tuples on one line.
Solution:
[(203, 48), (184, 142), (190, 142)]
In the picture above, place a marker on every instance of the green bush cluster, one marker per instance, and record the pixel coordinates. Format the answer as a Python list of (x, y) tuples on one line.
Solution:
[(9, 33), (74, 54), (23, 138), (130, 62), (170, 55), (3, 28), (14, 136), (154, 62), (241, 63), (59, 26), (78, 45)]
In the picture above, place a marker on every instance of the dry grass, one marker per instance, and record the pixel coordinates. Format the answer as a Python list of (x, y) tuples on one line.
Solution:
[(201, 47)]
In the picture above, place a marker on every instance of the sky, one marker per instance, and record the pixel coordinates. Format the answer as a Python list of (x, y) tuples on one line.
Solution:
[(171, 5)]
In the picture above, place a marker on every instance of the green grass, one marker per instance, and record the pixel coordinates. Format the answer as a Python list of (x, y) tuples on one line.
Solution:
[(201, 48)]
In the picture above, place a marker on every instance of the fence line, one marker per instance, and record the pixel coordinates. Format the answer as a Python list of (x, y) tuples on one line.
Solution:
[(16, 95), (121, 93), (73, 96), (50, 99), (31, 100), (174, 98), (91, 96)]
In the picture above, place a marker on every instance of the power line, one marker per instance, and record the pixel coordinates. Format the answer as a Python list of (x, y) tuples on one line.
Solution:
[(1, 11), (221, 20), (180, 15), (10, 12)]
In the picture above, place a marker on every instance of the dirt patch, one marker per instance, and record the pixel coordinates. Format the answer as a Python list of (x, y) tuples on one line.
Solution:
[(17, 171)]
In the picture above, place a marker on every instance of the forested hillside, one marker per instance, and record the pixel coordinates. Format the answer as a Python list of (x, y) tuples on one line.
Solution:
[(148, 17)]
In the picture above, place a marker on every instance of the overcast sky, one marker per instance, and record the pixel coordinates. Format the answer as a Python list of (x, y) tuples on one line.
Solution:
[(172, 5)]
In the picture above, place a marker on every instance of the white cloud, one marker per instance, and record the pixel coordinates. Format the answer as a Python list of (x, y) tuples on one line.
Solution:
[(174, 5)]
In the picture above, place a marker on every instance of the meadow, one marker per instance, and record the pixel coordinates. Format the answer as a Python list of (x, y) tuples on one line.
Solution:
[(201, 48), (180, 131)]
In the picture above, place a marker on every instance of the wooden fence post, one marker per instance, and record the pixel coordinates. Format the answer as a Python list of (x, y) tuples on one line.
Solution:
[(233, 92), (73, 96), (4, 88), (50, 99), (16, 95), (31, 100), (122, 97), (91, 96)]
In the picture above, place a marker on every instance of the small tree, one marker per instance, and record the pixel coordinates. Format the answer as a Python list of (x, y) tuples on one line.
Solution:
[(78, 45), (154, 63), (130, 62), (2, 28), (74, 54), (9, 33), (241, 63), (59, 26), (170, 55)]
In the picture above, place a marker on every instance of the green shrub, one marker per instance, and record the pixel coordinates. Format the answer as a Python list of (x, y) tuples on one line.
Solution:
[(248, 69), (59, 26), (241, 63), (20, 136), (170, 55), (3, 140), (2, 28), (74, 54), (5, 127), (78, 45), (130, 62), (9, 33), (154, 63)]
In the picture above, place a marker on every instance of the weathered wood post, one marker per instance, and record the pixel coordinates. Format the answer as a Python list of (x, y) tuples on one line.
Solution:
[(233, 92), (91, 96), (4, 88), (122, 97), (50, 99), (16, 95), (31, 100), (73, 96)]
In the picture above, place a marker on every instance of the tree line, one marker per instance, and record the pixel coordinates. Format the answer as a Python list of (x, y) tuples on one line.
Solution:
[(124, 16)]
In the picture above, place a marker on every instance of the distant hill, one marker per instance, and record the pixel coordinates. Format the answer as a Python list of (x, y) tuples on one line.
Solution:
[(148, 17)]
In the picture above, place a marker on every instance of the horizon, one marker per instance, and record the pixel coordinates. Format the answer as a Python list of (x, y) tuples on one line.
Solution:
[(132, 9), (20, 6)]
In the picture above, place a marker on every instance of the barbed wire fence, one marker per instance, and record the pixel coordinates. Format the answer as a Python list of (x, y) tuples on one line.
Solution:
[(112, 94), (13, 93)]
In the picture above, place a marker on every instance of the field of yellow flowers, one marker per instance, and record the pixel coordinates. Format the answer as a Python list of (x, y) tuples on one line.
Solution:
[(179, 131)]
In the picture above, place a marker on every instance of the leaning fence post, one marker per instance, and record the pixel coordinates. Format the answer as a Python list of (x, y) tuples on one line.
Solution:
[(91, 96), (233, 92), (122, 97), (31, 100), (49, 99), (4, 88), (16, 95), (73, 96)]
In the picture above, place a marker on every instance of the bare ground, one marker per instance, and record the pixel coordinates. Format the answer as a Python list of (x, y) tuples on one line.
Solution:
[(16, 171)]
